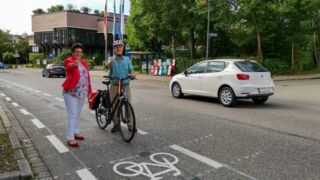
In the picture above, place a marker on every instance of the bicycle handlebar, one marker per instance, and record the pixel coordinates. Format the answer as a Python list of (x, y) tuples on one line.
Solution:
[(121, 79)]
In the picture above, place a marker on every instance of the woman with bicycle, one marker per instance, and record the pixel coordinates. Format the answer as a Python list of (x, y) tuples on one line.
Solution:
[(120, 67), (76, 88)]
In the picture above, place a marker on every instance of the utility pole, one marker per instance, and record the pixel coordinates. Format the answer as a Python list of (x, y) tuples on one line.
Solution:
[(208, 29)]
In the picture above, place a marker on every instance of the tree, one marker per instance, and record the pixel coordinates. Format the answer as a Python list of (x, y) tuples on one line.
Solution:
[(8, 57), (96, 12), (38, 11), (56, 8), (5, 43), (85, 10), (70, 7), (23, 48)]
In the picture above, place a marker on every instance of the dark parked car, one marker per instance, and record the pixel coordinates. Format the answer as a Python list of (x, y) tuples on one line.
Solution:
[(51, 70), (3, 66)]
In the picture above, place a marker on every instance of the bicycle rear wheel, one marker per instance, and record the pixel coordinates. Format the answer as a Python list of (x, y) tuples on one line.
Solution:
[(127, 121)]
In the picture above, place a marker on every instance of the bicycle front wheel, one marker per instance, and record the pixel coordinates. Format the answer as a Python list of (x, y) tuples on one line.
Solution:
[(127, 121), (102, 116)]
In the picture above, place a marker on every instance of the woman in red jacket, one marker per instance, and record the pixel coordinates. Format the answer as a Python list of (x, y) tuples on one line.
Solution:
[(76, 88)]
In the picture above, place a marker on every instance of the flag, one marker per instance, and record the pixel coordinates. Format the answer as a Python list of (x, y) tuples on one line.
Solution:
[(114, 20), (119, 22), (122, 19), (105, 19)]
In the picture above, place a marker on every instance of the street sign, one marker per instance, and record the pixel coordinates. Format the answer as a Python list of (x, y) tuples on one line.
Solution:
[(16, 55), (213, 34), (51, 56)]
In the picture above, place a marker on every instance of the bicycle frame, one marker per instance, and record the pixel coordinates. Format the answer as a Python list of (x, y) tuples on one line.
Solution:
[(118, 99)]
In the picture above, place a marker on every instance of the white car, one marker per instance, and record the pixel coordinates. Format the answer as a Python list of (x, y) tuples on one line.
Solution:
[(226, 79)]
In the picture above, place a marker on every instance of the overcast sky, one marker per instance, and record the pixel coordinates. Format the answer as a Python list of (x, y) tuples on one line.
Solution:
[(15, 15)]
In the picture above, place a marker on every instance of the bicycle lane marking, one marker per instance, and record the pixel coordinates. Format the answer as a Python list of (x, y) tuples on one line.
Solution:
[(207, 160), (137, 169)]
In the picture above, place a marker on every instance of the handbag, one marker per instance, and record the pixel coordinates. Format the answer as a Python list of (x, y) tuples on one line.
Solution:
[(94, 100)]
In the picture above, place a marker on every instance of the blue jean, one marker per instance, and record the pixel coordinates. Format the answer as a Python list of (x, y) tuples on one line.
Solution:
[(74, 106)]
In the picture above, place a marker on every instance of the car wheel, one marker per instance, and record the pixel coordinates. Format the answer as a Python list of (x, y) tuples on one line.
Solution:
[(227, 97), (176, 90), (260, 100)]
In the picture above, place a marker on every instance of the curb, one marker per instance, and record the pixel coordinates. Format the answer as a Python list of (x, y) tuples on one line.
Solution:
[(25, 171)]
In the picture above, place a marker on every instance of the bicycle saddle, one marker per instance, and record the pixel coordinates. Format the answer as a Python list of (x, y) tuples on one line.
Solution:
[(106, 82)]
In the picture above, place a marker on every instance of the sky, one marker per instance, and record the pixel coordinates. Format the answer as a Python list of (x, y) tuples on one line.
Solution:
[(15, 15)]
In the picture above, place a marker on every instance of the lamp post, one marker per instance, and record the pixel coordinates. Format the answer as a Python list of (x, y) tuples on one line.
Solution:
[(16, 56), (208, 29)]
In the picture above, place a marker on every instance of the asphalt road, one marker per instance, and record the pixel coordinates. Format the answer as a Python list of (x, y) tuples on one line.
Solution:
[(190, 138)]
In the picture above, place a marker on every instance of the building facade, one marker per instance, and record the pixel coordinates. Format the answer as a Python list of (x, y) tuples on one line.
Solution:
[(55, 31)]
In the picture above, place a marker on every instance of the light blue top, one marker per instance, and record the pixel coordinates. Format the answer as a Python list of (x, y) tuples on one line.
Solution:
[(121, 69)]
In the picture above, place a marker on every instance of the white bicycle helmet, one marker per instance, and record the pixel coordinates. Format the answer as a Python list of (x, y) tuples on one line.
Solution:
[(118, 43)]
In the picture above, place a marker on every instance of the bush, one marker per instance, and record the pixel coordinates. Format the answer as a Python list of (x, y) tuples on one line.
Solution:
[(90, 64), (183, 63), (34, 56), (277, 66)]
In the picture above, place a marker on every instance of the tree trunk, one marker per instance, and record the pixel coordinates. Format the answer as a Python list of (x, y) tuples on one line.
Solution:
[(292, 57), (192, 43), (315, 46), (173, 48), (259, 48)]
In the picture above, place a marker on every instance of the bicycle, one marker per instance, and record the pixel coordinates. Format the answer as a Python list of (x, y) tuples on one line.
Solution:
[(106, 109)]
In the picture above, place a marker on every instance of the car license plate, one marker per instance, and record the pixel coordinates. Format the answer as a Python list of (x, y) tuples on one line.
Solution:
[(264, 90)]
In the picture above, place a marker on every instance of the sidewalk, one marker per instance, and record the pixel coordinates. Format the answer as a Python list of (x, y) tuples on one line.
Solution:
[(100, 73)]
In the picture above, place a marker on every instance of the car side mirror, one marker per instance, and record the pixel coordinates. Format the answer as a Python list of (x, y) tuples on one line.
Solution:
[(185, 73)]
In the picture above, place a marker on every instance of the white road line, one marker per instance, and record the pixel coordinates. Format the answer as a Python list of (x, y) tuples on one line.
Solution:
[(46, 94), (30, 88), (37, 123), (142, 132), (139, 131), (37, 91), (198, 157), (57, 144), (25, 112), (3, 95), (85, 174), (92, 112), (59, 99), (15, 104), (8, 99)]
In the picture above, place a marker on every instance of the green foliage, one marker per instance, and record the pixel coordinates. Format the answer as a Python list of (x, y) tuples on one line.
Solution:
[(255, 28), (183, 63), (90, 63), (34, 56), (65, 53), (38, 11), (55, 8), (86, 10), (277, 67), (8, 57)]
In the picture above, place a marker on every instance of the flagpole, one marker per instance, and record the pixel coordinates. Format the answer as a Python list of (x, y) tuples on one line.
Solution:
[(114, 20), (106, 30)]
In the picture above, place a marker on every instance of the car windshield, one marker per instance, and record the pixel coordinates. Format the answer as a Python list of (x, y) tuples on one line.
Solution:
[(250, 66)]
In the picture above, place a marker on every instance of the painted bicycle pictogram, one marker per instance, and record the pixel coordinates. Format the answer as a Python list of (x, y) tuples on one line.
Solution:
[(164, 161)]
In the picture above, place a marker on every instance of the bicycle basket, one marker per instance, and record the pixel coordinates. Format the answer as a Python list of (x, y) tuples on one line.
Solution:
[(94, 100)]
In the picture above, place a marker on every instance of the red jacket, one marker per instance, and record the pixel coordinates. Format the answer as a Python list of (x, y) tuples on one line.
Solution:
[(73, 74)]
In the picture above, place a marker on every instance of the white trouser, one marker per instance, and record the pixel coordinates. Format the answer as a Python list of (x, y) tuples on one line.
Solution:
[(74, 106)]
